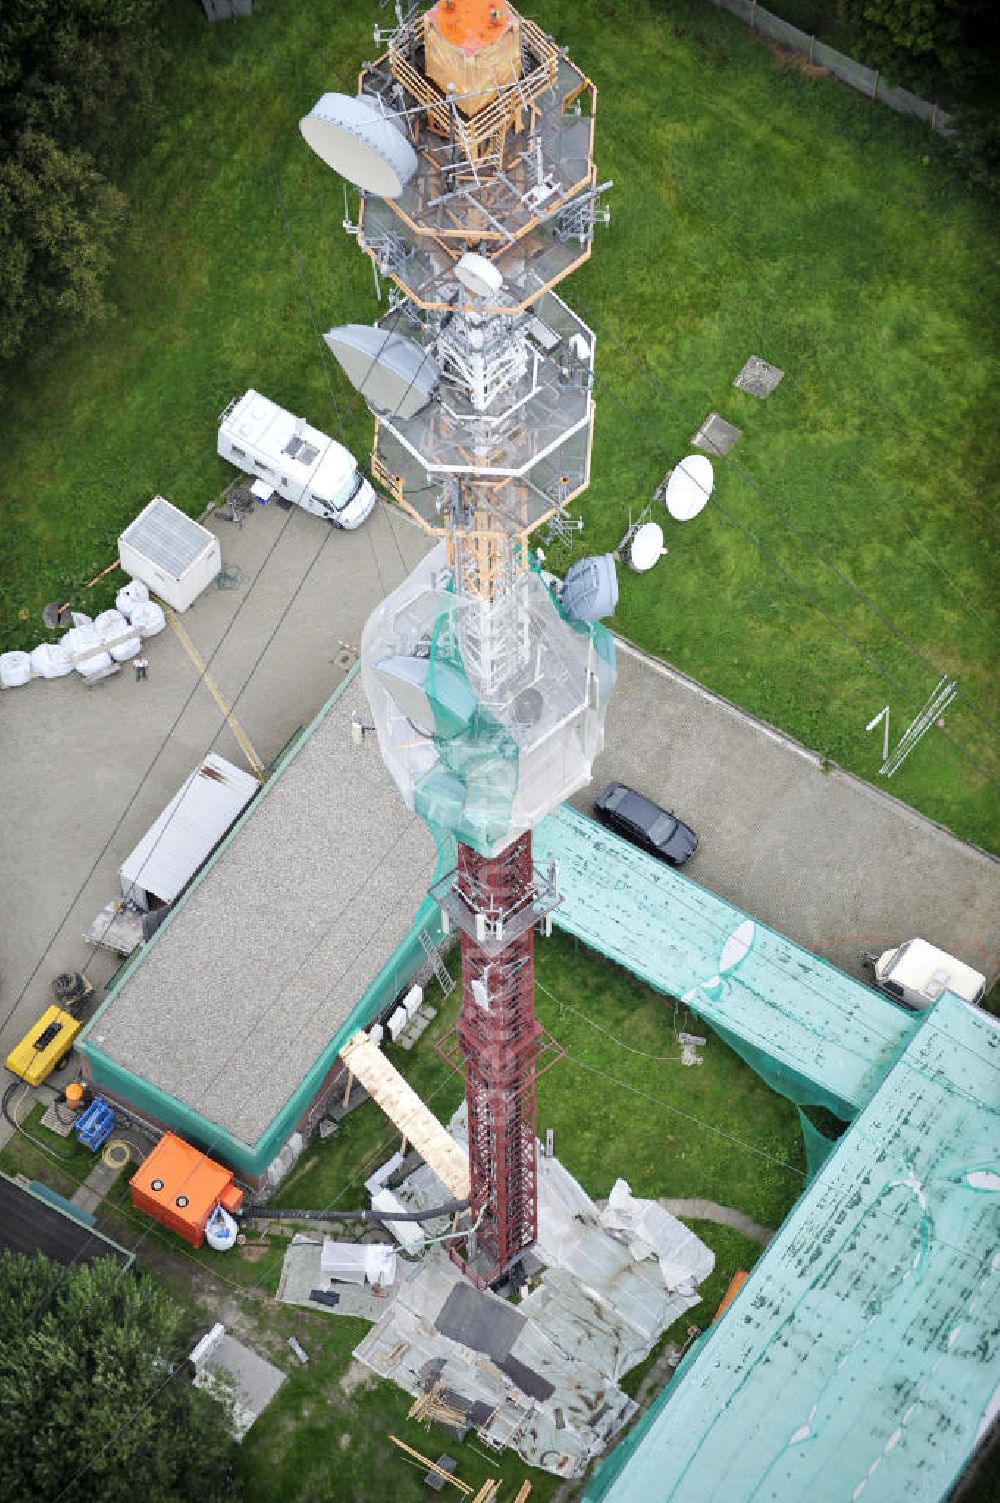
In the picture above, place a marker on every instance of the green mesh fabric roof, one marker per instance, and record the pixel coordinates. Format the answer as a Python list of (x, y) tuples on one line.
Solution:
[(861, 1361), (813, 1033)]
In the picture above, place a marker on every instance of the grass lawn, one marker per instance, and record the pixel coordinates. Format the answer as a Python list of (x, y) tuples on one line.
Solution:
[(843, 560)]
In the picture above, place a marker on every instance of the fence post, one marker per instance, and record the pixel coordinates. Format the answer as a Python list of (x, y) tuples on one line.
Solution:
[(875, 85), (812, 47), (934, 115), (753, 15)]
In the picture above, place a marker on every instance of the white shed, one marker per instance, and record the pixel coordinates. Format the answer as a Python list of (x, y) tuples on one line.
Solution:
[(172, 554), (186, 833)]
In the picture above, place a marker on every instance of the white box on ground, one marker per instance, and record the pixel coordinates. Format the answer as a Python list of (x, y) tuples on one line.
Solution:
[(170, 552)]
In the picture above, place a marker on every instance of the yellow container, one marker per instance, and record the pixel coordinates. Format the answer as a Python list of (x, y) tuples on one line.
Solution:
[(43, 1046)]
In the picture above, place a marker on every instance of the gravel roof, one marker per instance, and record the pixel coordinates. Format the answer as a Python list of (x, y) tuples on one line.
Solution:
[(255, 972)]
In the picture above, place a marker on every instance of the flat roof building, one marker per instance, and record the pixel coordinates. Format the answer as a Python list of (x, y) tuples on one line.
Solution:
[(305, 924)]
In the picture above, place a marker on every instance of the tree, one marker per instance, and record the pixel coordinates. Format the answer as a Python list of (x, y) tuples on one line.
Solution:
[(94, 1397), (930, 41), (77, 94), (59, 220)]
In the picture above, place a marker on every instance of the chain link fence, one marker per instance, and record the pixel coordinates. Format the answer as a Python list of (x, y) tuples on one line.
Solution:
[(865, 80)]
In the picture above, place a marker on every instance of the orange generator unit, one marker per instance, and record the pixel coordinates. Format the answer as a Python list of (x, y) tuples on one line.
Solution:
[(180, 1186)]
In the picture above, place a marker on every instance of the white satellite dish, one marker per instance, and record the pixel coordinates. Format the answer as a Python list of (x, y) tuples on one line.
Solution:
[(478, 276), (353, 136), (645, 547), (394, 374), (689, 487)]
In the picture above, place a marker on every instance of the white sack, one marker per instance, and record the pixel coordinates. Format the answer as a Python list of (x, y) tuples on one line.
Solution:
[(93, 666), (129, 596), (50, 660), (126, 650), (110, 624), (148, 618), (15, 669)]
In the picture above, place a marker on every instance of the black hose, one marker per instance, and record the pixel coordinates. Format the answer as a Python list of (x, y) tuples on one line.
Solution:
[(265, 1213)]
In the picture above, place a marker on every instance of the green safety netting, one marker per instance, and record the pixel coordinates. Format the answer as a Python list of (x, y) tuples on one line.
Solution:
[(861, 1360), (814, 1034), (817, 1145), (489, 712)]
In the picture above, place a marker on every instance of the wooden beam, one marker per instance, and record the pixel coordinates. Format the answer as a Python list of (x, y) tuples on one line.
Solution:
[(432, 1466), (403, 1106)]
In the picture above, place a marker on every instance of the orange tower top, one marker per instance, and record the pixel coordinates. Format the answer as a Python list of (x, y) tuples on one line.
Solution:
[(471, 24)]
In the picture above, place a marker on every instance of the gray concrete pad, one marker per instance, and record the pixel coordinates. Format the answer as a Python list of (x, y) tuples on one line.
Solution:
[(832, 862)]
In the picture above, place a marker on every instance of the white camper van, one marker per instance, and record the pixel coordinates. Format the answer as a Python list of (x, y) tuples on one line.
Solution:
[(915, 974), (297, 461)]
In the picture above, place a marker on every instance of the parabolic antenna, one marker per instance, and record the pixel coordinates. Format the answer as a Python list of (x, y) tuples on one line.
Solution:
[(352, 136), (478, 276), (591, 588), (645, 547), (689, 487), (393, 373), (410, 684)]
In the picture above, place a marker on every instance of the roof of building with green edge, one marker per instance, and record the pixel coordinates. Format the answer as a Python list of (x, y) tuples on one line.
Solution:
[(813, 1033), (299, 930), (861, 1360)]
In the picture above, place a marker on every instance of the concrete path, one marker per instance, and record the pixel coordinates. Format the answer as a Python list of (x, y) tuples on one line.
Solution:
[(710, 1210), (99, 1181)]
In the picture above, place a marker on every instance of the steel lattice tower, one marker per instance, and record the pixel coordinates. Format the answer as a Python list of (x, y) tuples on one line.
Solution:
[(471, 142)]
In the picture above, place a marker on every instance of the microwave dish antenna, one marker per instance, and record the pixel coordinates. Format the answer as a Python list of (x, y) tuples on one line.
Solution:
[(689, 487), (353, 136), (393, 373), (478, 275)]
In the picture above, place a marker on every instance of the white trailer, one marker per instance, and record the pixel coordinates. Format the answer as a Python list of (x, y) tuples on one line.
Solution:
[(182, 838), (297, 461), (916, 973)]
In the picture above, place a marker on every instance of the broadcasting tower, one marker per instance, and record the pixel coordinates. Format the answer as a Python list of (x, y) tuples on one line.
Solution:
[(470, 141)]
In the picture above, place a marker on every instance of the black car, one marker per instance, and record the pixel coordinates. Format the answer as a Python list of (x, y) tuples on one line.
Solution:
[(647, 825)]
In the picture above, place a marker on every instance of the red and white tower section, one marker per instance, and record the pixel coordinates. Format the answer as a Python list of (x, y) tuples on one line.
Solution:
[(470, 141)]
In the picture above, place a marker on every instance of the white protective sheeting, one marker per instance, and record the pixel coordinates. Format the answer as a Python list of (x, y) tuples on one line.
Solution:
[(358, 1262), (183, 836), (684, 1260), (407, 1233)]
